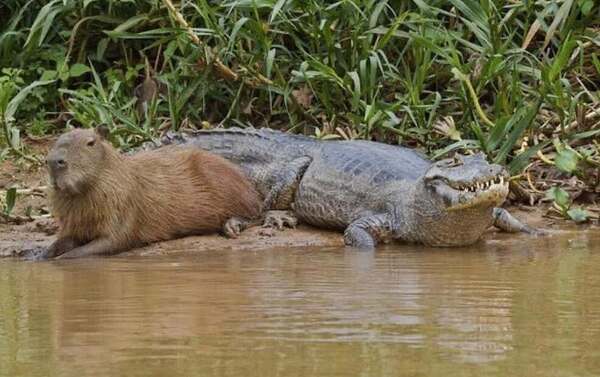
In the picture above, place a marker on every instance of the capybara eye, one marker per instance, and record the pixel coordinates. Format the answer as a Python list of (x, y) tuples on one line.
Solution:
[(91, 142)]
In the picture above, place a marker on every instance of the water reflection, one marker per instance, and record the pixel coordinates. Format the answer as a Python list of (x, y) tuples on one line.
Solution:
[(511, 302)]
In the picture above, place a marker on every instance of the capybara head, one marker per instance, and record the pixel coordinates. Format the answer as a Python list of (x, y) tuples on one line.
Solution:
[(76, 158)]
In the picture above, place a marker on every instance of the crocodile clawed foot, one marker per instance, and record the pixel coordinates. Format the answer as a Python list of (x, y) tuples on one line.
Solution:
[(358, 238), (266, 232), (234, 227), (280, 219)]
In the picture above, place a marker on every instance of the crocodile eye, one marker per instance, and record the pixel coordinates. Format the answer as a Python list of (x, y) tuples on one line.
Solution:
[(455, 161)]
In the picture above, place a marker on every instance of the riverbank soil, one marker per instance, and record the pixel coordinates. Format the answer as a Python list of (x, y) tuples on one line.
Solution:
[(40, 233), (29, 224)]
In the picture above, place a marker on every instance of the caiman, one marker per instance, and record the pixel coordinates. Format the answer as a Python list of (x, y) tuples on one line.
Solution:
[(374, 192)]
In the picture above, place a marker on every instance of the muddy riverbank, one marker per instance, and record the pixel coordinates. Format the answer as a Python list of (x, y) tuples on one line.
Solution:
[(40, 233)]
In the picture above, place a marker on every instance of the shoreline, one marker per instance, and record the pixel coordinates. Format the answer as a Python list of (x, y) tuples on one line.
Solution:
[(40, 233)]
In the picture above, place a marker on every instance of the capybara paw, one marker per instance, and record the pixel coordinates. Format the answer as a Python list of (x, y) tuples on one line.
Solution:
[(34, 254), (234, 227), (280, 219)]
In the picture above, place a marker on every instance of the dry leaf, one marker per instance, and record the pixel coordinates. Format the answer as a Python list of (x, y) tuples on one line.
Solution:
[(535, 26), (447, 127), (303, 96)]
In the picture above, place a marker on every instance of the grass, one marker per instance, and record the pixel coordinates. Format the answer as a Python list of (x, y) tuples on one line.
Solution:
[(519, 80)]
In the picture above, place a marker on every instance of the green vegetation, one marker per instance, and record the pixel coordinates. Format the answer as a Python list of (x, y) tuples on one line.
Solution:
[(562, 204), (8, 203), (519, 80)]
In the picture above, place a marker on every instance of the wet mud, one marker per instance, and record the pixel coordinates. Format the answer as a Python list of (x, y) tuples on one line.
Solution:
[(14, 239)]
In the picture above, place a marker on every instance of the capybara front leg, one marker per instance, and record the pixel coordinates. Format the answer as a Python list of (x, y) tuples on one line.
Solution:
[(99, 246)]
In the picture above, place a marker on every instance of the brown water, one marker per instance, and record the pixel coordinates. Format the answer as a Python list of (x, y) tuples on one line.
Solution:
[(513, 306)]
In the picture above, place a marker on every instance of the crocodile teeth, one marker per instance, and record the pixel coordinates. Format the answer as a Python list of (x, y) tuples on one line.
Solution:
[(483, 186)]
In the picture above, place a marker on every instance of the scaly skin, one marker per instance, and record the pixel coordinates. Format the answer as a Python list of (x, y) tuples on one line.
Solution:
[(373, 191)]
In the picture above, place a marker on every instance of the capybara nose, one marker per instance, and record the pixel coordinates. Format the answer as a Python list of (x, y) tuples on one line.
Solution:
[(57, 163)]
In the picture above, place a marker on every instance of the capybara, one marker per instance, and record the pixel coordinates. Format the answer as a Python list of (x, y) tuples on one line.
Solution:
[(106, 202)]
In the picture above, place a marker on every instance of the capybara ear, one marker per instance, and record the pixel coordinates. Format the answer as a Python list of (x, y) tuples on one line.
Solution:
[(103, 131)]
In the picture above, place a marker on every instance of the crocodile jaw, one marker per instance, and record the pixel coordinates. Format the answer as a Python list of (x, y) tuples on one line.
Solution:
[(443, 216), (489, 193), (492, 193), (464, 182)]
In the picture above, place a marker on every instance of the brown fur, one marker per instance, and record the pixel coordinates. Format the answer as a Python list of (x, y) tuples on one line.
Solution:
[(150, 196)]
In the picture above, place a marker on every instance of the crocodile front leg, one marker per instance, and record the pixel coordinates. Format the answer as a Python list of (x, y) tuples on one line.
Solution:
[(367, 231), (285, 183), (505, 221), (280, 196)]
